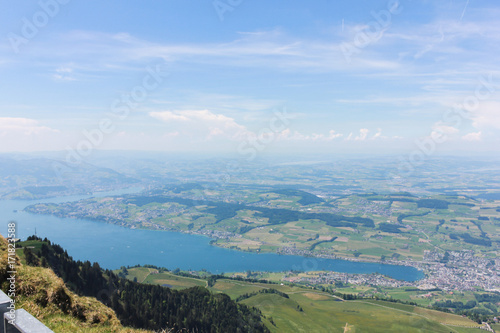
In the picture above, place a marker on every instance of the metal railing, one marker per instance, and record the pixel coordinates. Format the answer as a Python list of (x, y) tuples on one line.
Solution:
[(18, 321)]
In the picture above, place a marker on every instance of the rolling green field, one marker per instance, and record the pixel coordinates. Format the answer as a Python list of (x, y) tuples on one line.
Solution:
[(310, 310), (327, 315), (167, 279)]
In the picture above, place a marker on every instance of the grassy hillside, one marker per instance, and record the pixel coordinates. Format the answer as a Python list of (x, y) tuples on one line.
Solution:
[(308, 310), (44, 295)]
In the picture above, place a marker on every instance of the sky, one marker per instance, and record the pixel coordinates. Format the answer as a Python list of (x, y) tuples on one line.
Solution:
[(242, 77)]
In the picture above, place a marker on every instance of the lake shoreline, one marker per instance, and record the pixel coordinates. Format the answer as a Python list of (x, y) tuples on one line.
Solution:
[(212, 242), (114, 247), (212, 235)]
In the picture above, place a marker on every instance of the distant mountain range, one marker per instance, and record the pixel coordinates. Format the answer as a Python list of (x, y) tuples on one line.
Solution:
[(33, 178)]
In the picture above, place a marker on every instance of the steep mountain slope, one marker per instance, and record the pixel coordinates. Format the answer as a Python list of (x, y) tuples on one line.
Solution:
[(146, 306), (43, 294)]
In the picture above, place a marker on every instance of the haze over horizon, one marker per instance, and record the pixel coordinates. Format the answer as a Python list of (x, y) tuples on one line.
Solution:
[(250, 77)]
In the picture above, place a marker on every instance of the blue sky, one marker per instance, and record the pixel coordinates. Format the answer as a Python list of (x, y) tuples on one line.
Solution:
[(247, 77)]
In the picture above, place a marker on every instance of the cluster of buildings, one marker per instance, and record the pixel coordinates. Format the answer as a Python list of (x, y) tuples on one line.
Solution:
[(458, 270), (348, 278)]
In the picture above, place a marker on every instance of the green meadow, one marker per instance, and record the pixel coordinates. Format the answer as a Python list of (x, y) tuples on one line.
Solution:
[(310, 310)]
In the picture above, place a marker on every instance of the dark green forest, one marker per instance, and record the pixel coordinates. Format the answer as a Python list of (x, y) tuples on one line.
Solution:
[(388, 227), (306, 198), (223, 210)]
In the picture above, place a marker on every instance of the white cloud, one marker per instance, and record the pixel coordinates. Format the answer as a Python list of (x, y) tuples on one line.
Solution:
[(64, 73), (487, 115), (210, 124), (167, 116), (297, 136), (333, 135), (439, 128), (250, 105), (24, 134), (378, 134), (279, 50), (22, 126), (96, 51), (474, 136), (363, 133), (171, 134)]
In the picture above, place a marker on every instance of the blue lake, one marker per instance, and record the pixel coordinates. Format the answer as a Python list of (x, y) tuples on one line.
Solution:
[(113, 246)]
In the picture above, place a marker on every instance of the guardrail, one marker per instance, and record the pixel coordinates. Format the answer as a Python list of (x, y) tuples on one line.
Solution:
[(18, 321)]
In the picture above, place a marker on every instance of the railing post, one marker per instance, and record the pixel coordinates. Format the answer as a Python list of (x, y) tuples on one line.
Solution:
[(5, 301)]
